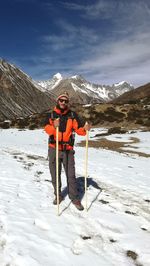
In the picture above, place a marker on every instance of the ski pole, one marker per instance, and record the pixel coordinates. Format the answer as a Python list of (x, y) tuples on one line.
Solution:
[(57, 170), (86, 165)]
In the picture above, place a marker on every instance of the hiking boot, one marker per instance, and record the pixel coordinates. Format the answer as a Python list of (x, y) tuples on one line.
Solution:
[(60, 200), (77, 204)]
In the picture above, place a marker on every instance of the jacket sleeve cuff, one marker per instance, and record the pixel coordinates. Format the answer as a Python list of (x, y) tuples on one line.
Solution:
[(81, 131)]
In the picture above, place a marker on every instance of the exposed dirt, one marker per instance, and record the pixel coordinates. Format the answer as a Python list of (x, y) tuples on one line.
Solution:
[(115, 145)]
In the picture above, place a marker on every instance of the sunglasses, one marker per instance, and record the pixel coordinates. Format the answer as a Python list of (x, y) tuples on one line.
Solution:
[(63, 101)]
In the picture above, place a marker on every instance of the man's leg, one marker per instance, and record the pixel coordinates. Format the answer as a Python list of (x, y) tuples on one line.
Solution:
[(69, 166), (52, 167)]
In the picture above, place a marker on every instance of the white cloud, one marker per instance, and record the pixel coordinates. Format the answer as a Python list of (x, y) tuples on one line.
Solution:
[(122, 52), (121, 60), (70, 36), (100, 8), (119, 51)]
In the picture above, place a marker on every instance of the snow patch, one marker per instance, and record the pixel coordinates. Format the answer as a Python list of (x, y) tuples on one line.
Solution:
[(118, 201), (76, 88), (58, 76), (119, 83)]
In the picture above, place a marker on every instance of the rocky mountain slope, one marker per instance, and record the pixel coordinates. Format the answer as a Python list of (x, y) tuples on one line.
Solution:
[(18, 94), (139, 95), (82, 91)]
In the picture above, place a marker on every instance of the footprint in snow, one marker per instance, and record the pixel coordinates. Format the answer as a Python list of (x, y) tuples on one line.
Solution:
[(42, 225), (103, 201), (130, 212), (77, 246), (3, 239)]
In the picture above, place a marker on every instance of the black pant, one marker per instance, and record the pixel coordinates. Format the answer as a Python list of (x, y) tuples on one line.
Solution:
[(67, 159)]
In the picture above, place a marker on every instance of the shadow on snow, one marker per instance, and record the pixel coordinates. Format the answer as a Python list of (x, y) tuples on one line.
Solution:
[(81, 188)]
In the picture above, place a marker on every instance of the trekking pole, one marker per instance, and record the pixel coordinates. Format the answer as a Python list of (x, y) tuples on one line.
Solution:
[(86, 165), (57, 170)]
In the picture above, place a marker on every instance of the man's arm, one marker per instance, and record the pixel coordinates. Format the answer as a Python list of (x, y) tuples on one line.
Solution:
[(80, 127), (49, 126)]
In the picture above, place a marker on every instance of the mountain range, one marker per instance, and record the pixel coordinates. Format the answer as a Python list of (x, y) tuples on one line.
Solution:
[(21, 96), (81, 91)]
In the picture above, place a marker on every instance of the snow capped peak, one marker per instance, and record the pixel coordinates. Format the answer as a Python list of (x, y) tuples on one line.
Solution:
[(77, 77), (51, 83), (119, 83), (58, 76), (74, 77)]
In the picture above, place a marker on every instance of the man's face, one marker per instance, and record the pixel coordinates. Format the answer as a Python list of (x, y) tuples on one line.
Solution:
[(63, 102)]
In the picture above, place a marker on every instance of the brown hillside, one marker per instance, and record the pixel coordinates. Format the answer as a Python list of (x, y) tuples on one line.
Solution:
[(138, 95), (19, 97)]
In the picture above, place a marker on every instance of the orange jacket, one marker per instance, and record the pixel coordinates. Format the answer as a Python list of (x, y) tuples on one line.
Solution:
[(69, 123)]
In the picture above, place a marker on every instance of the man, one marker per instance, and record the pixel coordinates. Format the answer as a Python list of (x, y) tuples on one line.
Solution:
[(68, 123)]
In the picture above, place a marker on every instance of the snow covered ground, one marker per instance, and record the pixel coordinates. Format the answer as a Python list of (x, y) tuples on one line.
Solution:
[(115, 231)]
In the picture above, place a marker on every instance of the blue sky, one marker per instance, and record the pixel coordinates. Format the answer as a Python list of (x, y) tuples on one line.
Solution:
[(106, 41)]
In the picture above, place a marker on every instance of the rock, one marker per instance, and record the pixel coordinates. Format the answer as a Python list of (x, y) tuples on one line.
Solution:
[(116, 130)]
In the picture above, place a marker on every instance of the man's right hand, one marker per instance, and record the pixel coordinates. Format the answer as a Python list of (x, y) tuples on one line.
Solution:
[(87, 126), (56, 122)]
